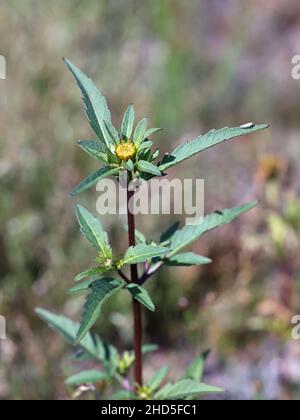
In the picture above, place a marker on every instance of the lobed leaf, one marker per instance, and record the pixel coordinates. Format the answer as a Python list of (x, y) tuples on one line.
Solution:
[(190, 233), (101, 290), (204, 142)]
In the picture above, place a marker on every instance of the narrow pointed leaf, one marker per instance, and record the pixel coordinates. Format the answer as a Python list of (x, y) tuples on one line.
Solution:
[(144, 146), (87, 377), (139, 132), (140, 293), (157, 379), (89, 272), (68, 329), (92, 229), (187, 259), (101, 290), (149, 348), (141, 253), (190, 233), (94, 103), (127, 123), (151, 131), (95, 149), (185, 388), (128, 165), (82, 287), (94, 178), (148, 167), (113, 133), (196, 368), (204, 142)]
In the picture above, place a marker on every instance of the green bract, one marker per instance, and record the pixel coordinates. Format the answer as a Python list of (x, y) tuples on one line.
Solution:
[(130, 149)]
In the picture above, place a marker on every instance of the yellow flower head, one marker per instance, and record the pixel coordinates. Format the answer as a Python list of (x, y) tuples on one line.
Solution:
[(126, 150)]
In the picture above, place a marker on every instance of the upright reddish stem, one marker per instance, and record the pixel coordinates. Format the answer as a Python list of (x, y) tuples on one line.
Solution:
[(137, 310)]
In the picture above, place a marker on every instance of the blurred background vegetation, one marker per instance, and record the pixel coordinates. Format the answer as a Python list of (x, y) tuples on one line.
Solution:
[(190, 66)]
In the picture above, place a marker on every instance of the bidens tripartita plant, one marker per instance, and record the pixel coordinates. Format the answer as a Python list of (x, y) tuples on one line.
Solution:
[(129, 149)]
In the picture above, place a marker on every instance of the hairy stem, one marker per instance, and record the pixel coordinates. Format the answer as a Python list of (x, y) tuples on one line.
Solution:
[(137, 310)]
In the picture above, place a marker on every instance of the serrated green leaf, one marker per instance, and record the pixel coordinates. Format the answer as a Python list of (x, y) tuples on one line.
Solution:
[(187, 259), (190, 233), (68, 329), (157, 379), (127, 123), (139, 132), (92, 179), (204, 142), (151, 131), (141, 294), (185, 388), (95, 149), (148, 167), (141, 253), (196, 368), (87, 377), (94, 103), (101, 290), (92, 229), (112, 131)]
